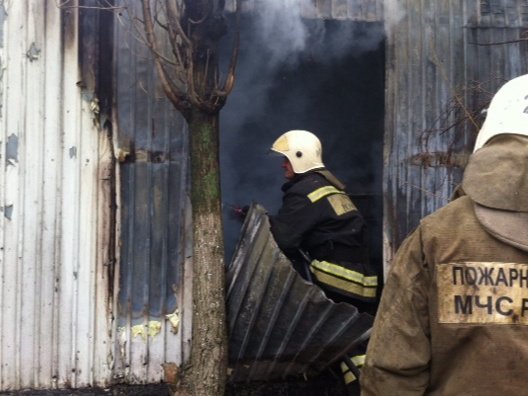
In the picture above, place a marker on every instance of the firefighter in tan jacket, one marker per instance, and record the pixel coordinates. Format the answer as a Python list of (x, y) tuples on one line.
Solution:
[(453, 314)]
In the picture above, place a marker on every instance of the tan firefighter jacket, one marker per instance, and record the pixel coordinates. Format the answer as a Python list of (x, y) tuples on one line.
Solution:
[(453, 314)]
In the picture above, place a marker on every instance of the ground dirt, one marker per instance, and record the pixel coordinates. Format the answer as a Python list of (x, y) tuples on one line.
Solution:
[(117, 390), (326, 384)]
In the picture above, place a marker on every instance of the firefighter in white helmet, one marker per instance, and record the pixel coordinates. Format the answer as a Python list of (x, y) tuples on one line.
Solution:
[(318, 218), (453, 314), (320, 229)]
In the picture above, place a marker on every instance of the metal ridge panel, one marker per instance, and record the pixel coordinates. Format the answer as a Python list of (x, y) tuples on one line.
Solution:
[(279, 324)]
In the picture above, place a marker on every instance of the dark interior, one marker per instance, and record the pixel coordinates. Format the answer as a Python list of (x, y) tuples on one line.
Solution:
[(333, 87)]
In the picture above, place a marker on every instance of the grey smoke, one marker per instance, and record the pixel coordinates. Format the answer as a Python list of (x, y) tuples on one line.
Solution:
[(289, 76)]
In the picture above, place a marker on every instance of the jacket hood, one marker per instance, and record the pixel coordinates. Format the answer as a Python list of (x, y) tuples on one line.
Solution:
[(509, 227), (496, 175), (496, 181)]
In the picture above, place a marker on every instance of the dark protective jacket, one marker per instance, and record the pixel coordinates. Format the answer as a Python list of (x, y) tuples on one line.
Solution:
[(453, 314), (319, 218)]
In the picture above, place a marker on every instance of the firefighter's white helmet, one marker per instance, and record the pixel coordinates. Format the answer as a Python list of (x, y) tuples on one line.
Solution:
[(302, 148), (507, 112)]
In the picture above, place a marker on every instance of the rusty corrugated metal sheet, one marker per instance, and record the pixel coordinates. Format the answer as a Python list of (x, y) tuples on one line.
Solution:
[(444, 59), (279, 324), (352, 10), (55, 290)]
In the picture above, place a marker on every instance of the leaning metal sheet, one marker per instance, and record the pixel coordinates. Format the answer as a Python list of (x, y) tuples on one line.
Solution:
[(279, 324)]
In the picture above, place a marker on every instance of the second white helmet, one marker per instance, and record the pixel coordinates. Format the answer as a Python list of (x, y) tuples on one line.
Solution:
[(302, 148), (507, 112)]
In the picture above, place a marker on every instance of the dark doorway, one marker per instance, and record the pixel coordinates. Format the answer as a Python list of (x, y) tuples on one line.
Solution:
[(334, 87)]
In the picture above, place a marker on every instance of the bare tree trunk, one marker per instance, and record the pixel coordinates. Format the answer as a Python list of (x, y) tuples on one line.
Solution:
[(191, 81), (207, 374)]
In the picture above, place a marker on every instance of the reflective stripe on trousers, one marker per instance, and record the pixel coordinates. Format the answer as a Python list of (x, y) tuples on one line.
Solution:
[(348, 376)]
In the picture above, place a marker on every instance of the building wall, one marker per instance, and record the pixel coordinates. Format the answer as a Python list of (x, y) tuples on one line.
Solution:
[(444, 59), (94, 235), (55, 289), (94, 242), (153, 305)]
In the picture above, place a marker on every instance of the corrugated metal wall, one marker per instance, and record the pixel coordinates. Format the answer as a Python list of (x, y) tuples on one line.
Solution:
[(353, 10), (444, 60), (155, 225), (57, 181), (60, 82), (54, 284)]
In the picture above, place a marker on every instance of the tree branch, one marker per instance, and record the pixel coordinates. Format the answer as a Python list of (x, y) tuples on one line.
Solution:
[(230, 77), (174, 96)]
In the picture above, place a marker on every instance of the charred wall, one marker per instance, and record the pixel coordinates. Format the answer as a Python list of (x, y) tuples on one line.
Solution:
[(153, 307), (96, 66)]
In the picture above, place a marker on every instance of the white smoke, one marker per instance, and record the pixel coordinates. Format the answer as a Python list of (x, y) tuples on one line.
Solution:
[(394, 12), (289, 27), (281, 27)]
